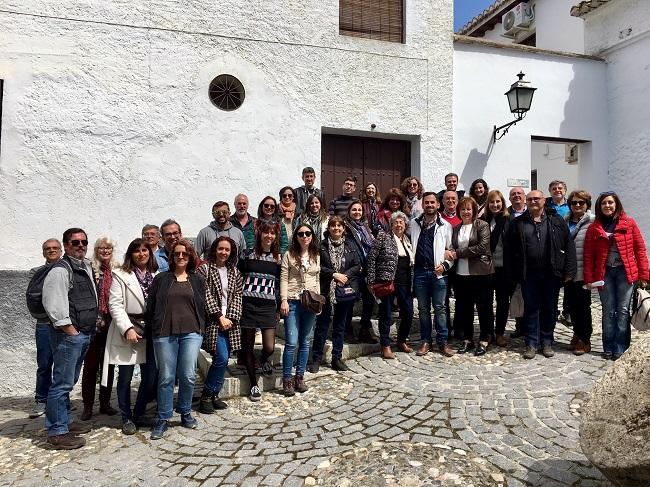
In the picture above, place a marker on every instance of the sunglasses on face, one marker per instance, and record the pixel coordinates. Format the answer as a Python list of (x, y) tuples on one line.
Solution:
[(304, 234), (77, 243), (181, 254), (578, 203), (288, 195), (268, 206), (221, 212)]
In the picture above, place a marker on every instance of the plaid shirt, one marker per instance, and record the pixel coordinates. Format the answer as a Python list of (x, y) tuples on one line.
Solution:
[(213, 295)]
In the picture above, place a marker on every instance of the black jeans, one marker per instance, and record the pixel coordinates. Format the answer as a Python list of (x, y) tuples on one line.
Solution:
[(579, 304), (501, 288), (368, 304), (470, 291), (405, 302), (341, 311), (540, 294)]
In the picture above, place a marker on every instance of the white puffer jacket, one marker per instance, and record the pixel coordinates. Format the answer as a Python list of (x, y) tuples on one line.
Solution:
[(578, 236)]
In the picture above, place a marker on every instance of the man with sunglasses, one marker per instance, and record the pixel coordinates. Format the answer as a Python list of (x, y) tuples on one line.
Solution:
[(70, 301), (220, 226), (541, 259)]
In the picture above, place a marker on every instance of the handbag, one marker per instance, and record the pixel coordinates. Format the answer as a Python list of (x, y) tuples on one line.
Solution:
[(381, 289), (310, 300), (138, 324), (517, 303), (345, 294), (641, 310)]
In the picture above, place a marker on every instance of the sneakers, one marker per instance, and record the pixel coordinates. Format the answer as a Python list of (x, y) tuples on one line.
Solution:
[(339, 365), (38, 410), (300, 385), (205, 405), (255, 394), (128, 427), (547, 351), (67, 441), (159, 429), (367, 335), (287, 387), (529, 353), (187, 421), (267, 368), (218, 404)]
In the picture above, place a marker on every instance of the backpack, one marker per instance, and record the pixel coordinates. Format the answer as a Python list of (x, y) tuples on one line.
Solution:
[(34, 293)]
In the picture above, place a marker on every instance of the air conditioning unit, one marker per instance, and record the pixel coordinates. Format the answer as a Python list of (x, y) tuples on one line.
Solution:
[(517, 19)]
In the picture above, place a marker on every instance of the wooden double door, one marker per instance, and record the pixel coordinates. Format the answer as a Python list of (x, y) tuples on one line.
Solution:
[(385, 162)]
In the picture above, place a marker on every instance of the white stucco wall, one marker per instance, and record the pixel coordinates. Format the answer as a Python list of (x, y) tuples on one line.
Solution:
[(107, 124), (620, 32), (569, 103)]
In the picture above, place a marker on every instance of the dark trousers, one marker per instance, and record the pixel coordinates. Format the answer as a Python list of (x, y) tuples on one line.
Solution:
[(368, 304), (579, 303), (540, 295), (341, 311), (405, 302), (92, 365), (501, 288), (470, 291), (146, 391)]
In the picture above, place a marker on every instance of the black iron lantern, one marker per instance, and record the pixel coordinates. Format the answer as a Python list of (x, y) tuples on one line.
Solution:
[(520, 97)]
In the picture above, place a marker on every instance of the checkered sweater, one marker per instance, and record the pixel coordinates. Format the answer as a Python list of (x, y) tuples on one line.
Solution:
[(261, 276)]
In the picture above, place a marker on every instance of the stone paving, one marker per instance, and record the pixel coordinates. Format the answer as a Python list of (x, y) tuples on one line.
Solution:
[(496, 420)]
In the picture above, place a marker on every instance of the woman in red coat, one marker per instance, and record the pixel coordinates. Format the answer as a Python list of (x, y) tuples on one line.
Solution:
[(615, 253)]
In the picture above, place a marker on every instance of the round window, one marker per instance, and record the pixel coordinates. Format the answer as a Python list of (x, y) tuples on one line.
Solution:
[(226, 92)]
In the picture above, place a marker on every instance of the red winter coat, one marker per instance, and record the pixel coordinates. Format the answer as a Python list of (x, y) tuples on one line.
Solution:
[(630, 245)]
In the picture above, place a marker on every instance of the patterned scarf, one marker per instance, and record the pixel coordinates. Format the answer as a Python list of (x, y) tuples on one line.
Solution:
[(412, 200), (144, 279), (373, 209), (365, 236), (314, 221), (288, 211), (336, 249), (105, 286)]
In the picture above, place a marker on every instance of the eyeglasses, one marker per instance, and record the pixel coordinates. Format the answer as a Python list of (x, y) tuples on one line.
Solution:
[(269, 206), (221, 212), (578, 203), (105, 249), (413, 185), (304, 234), (351, 185), (77, 243), (181, 254), (287, 195), (172, 234), (52, 249)]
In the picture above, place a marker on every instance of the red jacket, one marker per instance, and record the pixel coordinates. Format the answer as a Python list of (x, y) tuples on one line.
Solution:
[(630, 245)]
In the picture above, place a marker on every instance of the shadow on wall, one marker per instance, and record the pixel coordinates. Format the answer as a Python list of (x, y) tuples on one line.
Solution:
[(475, 165)]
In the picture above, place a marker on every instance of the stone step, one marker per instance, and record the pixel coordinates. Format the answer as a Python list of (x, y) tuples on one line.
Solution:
[(236, 381)]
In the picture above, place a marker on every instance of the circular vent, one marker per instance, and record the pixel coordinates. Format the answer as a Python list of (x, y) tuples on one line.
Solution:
[(226, 92), (509, 21)]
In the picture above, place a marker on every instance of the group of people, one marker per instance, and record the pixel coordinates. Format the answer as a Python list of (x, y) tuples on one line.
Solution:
[(308, 265)]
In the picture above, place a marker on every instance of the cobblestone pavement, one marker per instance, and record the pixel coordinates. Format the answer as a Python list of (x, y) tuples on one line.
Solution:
[(495, 420)]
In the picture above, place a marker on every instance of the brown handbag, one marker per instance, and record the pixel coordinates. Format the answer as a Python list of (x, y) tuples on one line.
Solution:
[(381, 289), (310, 300)]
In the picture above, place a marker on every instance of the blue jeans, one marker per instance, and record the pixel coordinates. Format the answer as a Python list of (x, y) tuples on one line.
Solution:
[(217, 371), (405, 303), (341, 313), (176, 354), (540, 295), (146, 390), (44, 362), (68, 354), (298, 329), (615, 296), (429, 290)]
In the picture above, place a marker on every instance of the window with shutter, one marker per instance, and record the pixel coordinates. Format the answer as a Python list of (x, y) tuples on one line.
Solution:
[(373, 19)]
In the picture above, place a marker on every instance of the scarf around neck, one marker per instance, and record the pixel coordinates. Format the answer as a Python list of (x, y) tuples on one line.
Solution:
[(144, 279), (335, 249), (105, 286), (288, 211)]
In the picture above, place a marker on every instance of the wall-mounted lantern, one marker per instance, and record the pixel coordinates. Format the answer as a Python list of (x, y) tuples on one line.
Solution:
[(520, 97)]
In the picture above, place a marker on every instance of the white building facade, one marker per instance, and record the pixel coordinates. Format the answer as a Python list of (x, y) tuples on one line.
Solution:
[(107, 123)]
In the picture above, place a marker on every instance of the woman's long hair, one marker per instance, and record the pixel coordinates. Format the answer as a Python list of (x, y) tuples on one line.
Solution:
[(193, 258), (129, 265), (212, 254), (108, 242), (488, 216), (275, 246), (260, 209), (294, 248), (323, 212), (619, 206), (472, 188), (397, 193), (363, 197)]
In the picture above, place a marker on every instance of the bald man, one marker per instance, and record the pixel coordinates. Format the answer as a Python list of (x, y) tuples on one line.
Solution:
[(542, 257)]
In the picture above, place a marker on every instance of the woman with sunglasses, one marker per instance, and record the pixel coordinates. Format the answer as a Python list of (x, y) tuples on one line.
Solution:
[(261, 273), (576, 296), (340, 271), (413, 189), (223, 306), (103, 264), (614, 253), (267, 212), (129, 340), (371, 199), (498, 217), (299, 271), (176, 316), (287, 209), (316, 216)]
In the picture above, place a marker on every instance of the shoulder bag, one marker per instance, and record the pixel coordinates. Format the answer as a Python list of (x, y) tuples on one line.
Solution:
[(641, 310), (310, 300)]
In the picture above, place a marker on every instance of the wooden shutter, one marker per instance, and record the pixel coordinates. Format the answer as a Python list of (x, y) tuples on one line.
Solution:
[(373, 19)]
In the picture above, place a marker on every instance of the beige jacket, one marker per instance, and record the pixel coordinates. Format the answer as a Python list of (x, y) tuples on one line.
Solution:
[(291, 284), (125, 298)]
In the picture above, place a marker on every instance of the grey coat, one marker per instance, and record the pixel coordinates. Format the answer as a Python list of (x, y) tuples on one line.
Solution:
[(578, 236)]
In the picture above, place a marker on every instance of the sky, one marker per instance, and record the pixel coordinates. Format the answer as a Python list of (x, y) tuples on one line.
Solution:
[(465, 10)]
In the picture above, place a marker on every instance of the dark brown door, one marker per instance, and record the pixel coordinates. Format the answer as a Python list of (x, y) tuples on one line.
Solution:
[(385, 162)]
